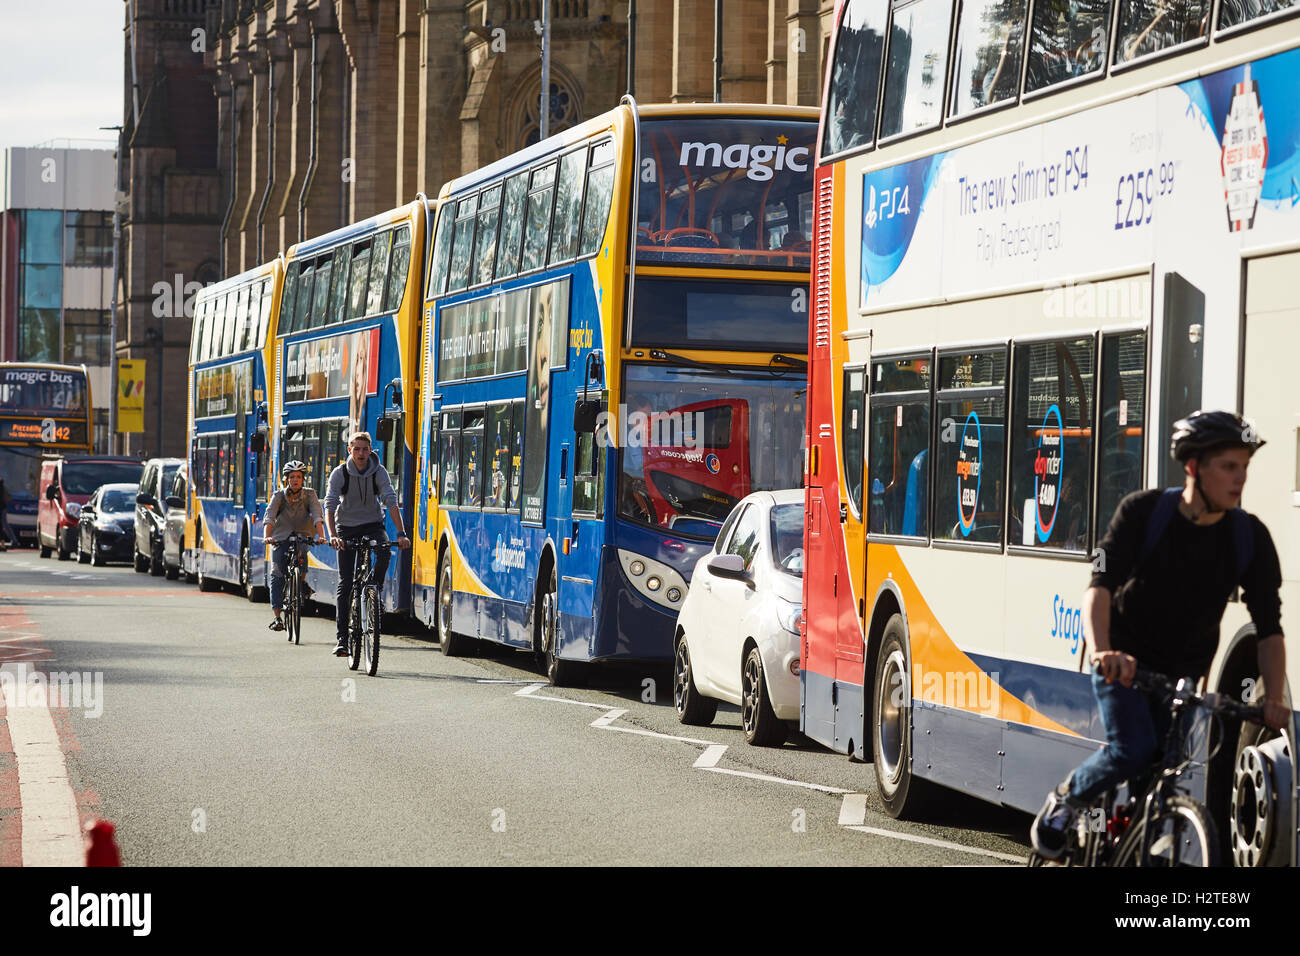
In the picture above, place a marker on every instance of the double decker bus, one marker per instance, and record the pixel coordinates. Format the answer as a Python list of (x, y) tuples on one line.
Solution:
[(230, 380), (1045, 233), (346, 358), (615, 340), (44, 409)]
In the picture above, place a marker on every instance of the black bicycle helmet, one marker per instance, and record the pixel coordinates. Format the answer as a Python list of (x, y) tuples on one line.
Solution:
[(1201, 432)]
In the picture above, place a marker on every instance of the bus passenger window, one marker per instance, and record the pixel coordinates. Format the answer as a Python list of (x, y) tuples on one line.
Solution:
[(515, 501), (462, 246), (589, 473), (600, 190), (1235, 12), (855, 76), (441, 252), (471, 461), (498, 453), (1123, 421), (990, 42), (337, 310), (512, 226), (320, 294), (1148, 26), (449, 455), (1068, 39), (568, 206), (851, 430), (898, 465), (1051, 444), (918, 63), (378, 273), (539, 218), (486, 253), (397, 269), (971, 413), (234, 306), (357, 282), (264, 319)]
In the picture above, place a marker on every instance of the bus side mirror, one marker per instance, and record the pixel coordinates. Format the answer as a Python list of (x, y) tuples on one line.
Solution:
[(384, 429), (258, 443), (585, 414)]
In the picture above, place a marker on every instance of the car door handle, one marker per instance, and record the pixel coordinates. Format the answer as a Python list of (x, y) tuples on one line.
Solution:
[(708, 586)]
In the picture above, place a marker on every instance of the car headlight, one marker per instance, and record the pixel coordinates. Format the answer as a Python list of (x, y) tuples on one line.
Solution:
[(73, 509), (789, 615)]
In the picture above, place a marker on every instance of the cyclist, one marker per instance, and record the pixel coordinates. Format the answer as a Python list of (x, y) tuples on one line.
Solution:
[(359, 489), (293, 509), (1159, 600)]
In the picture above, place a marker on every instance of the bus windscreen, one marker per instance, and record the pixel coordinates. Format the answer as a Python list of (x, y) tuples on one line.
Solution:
[(726, 192), (41, 392)]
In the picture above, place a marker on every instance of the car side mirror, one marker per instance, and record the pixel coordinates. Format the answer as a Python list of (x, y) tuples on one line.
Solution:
[(175, 501), (88, 510), (730, 566), (52, 493), (585, 414), (146, 500)]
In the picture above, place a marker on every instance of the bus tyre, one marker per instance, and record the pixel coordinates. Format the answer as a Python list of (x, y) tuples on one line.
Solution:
[(1182, 834), (206, 584), (560, 673), (905, 796), (692, 707), (453, 644), (759, 721), (255, 594)]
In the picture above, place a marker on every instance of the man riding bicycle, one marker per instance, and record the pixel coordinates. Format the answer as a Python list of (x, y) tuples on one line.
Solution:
[(1158, 598), (358, 491), (293, 509)]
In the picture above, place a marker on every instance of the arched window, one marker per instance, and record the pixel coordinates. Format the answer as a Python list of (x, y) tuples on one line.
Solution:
[(564, 101)]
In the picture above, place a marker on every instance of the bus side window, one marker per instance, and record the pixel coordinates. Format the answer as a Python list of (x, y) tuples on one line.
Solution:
[(851, 430), (537, 236), (356, 306), (337, 309), (311, 451), (330, 455), (449, 454), (898, 468), (441, 252), (471, 479), (600, 190), (1123, 421), (516, 457), (512, 226), (284, 321), (378, 273), (462, 247), (398, 267), (568, 207), (486, 252), (589, 472)]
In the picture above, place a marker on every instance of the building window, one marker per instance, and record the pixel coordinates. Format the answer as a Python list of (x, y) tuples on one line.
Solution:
[(88, 239), (565, 111), (85, 337)]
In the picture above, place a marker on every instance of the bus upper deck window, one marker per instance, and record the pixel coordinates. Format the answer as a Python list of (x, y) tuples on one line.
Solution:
[(855, 76), (990, 44), (917, 66), (1068, 39)]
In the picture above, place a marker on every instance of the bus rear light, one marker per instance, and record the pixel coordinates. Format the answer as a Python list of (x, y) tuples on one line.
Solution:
[(653, 582), (674, 594), (637, 568)]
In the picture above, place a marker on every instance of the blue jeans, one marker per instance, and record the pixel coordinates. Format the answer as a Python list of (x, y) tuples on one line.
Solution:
[(1135, 725), (279, 563), (347, 569)]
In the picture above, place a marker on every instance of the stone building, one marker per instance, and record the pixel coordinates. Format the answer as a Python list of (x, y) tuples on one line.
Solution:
[(316, 113)]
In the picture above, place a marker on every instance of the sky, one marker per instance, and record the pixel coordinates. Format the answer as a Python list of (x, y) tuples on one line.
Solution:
[(61, 70)]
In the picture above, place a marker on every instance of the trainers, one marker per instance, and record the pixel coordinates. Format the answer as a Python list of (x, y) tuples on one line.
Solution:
[(1051, 830), (276, 625), (341, 648)]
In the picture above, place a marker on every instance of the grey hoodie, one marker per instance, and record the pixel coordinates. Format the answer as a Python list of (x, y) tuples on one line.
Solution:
[(360, 507)]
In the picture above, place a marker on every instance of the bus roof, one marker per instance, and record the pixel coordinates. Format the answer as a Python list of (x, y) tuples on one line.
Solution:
[(258, 271), (354, 230)]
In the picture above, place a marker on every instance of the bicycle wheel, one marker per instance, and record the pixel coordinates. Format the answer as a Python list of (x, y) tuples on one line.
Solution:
[(1182, 834), (370, 628), (291, 607), (296, 611), (354, 627)]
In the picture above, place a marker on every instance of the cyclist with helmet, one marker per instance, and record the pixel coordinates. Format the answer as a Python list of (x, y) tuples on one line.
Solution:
[(293, 509), (1171, 561)]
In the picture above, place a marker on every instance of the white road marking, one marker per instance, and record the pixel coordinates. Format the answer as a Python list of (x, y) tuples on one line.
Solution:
[(770, 779), (944, 844), (50, 823), (853, 810), (604, 724), (712, 754), (491, 680)]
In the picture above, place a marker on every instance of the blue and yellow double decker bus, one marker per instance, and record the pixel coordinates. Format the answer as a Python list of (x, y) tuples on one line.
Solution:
[(346, 359), (615, 329), (230, 378)]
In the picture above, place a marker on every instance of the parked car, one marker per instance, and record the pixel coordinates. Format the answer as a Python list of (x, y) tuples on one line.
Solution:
[(67, 482), (174, 530), (738, 630), (151, 513), (105, 525)]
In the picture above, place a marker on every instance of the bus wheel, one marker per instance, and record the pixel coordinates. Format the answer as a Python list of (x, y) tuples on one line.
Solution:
[(904, 795), (206, 584), (255, 594), (560, 673), (453, 644)]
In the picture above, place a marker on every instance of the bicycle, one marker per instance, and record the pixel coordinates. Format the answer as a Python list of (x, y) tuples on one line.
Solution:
[(364, 623), (295, 585), (1155, 826)]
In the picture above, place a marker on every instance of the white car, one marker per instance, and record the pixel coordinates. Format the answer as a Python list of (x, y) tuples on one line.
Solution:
[(738, 630)]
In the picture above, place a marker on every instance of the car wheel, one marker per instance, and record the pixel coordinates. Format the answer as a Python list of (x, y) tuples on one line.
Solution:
[(83, 556), (762, 729), (141, 562), (453, 644), (172, 572), (65, 553), (45, 552), (904, 795), (559, 672), (156, 566), (692, 707), (96, 556)]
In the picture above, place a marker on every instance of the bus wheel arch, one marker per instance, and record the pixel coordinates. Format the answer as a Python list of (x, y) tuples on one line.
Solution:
[(888, 603), (255, 593), (451, 643), (546, 626)]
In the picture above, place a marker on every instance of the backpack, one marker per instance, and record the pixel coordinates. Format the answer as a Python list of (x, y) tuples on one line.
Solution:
[(1243, 534), (347, 480)]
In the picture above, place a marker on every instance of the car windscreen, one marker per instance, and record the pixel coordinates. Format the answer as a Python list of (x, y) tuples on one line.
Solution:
[(117, 502), (83, 477), (787, 538)]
